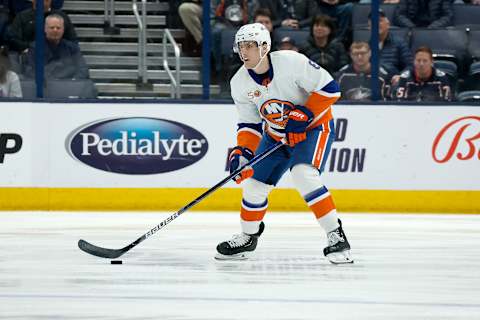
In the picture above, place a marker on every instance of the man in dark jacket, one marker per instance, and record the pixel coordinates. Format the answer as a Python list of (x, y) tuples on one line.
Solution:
[(20, 5), (424, 13), (341, 11), (322, 47), (394, 53), (22, 31), (294, 14), (423, 82), (355, 79), (63, 59)]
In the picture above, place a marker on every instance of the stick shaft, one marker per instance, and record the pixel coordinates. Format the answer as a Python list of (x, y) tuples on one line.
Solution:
[(115, 253)]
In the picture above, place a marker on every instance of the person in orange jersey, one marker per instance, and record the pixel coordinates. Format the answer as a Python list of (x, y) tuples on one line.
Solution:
[(281, 96)]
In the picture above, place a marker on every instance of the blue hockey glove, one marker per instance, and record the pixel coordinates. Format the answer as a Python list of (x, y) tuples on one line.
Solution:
[(239, 157), (298, 121)]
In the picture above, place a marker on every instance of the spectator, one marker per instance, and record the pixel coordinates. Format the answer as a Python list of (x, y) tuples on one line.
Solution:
[(22, 31), (20, 5), (475, 2), (191, 14), (289, 13), (424, 13), (287, 43), (355, 79), (341, 12), (423, 82), (9, 81), (63, 59), (322, 47), (228, 14), (394, 53), (264, 16)]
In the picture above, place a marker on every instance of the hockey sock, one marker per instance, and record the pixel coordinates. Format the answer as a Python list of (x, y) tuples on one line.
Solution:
[(308, 182), (254, 205)]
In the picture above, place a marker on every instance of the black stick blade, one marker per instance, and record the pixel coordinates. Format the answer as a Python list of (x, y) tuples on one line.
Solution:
[(99, 251)]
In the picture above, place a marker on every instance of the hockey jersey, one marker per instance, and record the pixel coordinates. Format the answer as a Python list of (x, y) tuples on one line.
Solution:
[(294, 80)]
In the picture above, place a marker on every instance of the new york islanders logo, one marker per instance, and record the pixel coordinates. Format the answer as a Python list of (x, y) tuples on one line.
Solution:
[(276, 111)]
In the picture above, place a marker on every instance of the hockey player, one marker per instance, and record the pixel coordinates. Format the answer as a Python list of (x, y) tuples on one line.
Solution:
[(292, 96)]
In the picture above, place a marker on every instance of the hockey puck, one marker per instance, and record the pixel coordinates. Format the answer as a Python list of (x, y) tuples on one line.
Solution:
[(116, 262)]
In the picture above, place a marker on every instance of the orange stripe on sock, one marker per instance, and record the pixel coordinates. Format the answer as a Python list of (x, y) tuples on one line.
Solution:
[(248, 215), (323, 207)]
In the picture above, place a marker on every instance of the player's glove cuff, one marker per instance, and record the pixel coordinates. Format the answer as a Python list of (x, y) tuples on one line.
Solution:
[(240, 156), (298, 121)]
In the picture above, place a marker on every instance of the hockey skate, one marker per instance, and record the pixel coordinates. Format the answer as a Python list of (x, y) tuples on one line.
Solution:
[(338, 250), (240, 246)]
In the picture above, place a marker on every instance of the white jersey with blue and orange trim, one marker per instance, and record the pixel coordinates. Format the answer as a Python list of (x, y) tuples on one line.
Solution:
[(294, 80)]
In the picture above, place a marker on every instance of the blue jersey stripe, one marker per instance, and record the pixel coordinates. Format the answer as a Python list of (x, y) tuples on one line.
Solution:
[(331, 87), (254, 126)]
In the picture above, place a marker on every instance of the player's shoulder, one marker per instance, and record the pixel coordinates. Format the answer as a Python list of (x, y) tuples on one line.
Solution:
[(287, 55), (239, 77), (238, 81)]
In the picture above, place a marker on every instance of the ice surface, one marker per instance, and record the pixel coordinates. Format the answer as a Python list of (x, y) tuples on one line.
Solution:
[(406, 267)]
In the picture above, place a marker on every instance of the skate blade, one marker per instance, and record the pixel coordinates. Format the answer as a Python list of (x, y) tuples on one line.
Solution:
[(340, 257), (233, 257)]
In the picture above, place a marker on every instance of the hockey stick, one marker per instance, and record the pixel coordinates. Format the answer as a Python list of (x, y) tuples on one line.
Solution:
[(115, 253)]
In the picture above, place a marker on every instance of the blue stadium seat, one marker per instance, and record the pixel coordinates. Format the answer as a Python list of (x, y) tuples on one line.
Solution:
[(361, 11), (474, 44), (364, 34), (449, 67), (29, 89), (446, 44), (466, 15), (300, 36), (472, 81), (68, 89), (469, 96)]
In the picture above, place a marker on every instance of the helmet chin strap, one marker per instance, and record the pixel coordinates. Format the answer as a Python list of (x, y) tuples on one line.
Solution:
[(261, 58)]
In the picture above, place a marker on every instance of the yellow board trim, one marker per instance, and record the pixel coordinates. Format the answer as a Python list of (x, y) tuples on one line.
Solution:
[(228, 199)]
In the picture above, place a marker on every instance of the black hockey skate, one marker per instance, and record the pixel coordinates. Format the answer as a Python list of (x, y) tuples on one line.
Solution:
[(239, 247), (338, 250)]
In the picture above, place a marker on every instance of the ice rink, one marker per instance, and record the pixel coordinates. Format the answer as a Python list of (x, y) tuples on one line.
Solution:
[(406, 267)]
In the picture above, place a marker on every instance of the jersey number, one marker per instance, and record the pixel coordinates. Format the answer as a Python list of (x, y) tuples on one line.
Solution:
[(314, 64)]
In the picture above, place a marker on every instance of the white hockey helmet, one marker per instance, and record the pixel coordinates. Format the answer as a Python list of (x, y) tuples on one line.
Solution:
[(253, 32)]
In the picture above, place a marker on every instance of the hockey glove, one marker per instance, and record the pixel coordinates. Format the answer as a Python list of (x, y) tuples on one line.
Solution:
[(298, 121), (239, 157)]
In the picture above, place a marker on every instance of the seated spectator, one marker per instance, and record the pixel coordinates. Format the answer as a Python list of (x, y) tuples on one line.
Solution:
[(322, 46), (394, 53), (191, 14), (20, 5), (423, 82), (287, 43), (22, 31), (424, 13), (9, 81), (63, 59), (291, 14), (355, 79), (341, 12)]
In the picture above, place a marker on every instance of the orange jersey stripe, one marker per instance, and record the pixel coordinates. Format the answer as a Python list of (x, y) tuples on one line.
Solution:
[(320, 106), (248, 139), (320, 149), (323, 207), (248, 215)]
